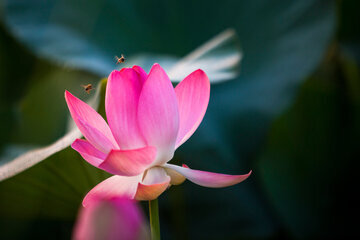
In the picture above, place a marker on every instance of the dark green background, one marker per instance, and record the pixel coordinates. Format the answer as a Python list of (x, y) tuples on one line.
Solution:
[(292, 115)]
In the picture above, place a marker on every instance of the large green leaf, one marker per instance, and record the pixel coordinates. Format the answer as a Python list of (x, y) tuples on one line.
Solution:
[(282, 41), (310, 164)]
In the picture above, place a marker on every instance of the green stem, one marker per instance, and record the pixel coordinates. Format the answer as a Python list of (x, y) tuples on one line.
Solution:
[(154, 219)]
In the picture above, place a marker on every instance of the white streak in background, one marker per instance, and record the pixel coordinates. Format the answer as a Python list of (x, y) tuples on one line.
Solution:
[(32, 157), (219, 57), (12, 163)]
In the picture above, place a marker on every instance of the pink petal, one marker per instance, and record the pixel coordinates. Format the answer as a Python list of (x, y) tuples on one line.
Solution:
[(111, 219), (193, 97), (96, 138), (129, 162), (155, 182), (209, 179), (87, 119), (91, 154), (114, 186), (143, 75), (121, 102), (158, 113)]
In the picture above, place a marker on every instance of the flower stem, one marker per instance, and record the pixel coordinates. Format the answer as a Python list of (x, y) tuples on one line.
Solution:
[(154, 219)]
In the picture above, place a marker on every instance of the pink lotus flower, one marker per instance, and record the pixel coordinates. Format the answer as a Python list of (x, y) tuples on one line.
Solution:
[(148, 120), (115, 218)]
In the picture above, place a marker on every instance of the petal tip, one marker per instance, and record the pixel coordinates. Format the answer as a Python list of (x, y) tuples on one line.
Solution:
[(116, 74), (126, 70), (70, 98), (201, 74), (199, 71), (84, 202), (68, 95), (156, 67), (75, 142), (136, 67), (245, 176), (113, 74)]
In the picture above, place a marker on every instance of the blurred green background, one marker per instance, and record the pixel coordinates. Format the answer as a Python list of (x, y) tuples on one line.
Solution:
[(292, 115)]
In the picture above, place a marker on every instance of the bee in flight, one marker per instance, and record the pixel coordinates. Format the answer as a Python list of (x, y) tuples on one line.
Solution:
[(120, 59), (88, 88)]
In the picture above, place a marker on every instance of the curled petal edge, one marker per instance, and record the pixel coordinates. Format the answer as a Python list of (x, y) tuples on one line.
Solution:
[(208, 179), (129, 162)]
